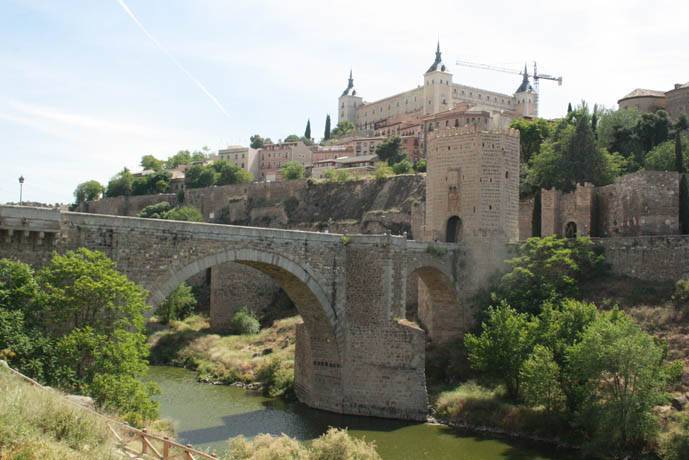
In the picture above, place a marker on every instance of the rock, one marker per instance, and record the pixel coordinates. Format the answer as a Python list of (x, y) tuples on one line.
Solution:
[(82, 401), (678, 402)]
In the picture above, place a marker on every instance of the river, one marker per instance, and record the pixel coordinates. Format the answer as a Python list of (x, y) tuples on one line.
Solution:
[(207, 415)]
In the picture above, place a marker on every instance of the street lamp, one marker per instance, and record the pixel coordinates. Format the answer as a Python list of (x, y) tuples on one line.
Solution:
[(21, 186)]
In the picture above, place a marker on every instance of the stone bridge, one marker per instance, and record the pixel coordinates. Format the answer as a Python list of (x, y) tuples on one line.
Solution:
[(355, 354)]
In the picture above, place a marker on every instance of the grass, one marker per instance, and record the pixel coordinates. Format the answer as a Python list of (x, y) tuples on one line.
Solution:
[(470, 405), (265, 358), (35, 423)]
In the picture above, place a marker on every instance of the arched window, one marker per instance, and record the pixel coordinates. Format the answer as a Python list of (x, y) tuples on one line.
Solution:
[(571, 230), (453, 230)]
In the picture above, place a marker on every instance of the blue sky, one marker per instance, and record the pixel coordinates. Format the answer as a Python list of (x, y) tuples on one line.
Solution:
[(84, 92)]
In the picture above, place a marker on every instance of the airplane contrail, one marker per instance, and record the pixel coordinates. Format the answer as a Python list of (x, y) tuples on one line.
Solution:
[(172, 58)]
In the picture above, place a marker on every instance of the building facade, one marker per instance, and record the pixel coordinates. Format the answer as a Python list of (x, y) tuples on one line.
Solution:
[(674, 101), (244, 157), (273, 156), (437, 94)]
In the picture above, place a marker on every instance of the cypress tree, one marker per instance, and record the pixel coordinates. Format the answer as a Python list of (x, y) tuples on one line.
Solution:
[(307, 131), (569, 107), (684, 205), (536, 216), (679, 160), (326, 136)]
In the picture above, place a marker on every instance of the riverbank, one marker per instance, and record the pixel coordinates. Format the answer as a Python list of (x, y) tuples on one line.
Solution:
[(262, 361)]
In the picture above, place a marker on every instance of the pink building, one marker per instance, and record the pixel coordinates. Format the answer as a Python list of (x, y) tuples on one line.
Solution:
[(273, 156)]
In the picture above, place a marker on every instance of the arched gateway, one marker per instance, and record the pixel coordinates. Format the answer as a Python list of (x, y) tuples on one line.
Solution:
[(355, 353)]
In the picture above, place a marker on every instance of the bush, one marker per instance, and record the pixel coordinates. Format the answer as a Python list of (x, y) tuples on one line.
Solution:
[(292, 170), (421, 166), (338, 445), (681, 295), (178, 305), (402, 167), (675, 445), (244, 321), (127, 396), (277, 377), (382, 171), (267, 447)]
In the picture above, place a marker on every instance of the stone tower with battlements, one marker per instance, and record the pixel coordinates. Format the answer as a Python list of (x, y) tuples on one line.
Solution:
[(349, 102)]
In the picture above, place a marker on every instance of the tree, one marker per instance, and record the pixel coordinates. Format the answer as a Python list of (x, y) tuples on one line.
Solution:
[(183, 157), (421, 166), (679, 157), (548, 268), (326, 135), (653, 129), (18, 287), (152, 163), (184, 213), (229, 173), (664, 156), (532, 133), (178, 305), (622, 377), (199, 176), (569, 107), (402, 167), (257, 142), (292, 138), (382, 171), (292, 170), (536, 216), (594, 121), (121, 184), (155, 211), (307, 131), (540, 375), (338, 175), (684, 205), (505, 342), (391, 151), (88, 191), (343, 128), (616, 131)]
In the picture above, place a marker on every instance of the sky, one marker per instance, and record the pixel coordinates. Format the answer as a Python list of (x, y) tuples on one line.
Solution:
[(88, 87)]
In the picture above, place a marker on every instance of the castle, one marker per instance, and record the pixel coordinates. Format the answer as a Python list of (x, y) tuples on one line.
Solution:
[(438, 94)]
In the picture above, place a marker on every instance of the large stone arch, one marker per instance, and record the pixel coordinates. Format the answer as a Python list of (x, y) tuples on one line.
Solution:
[(439, 309), (318, 358)]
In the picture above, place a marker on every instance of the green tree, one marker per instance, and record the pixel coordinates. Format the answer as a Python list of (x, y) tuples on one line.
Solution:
[(88, 191), (229, 173), (183, 157), (684, 205), (540, 376), (343, 128), (155, 211), (244, 321), (292, 170), (326, 134), (121, 184), (664, 156), (338, 175), (536, 216), (548, 268), (622, 374), (18, 287), (178, 305), (307, 131), (391, 150), (679, 157), (199, 176), (292, 138), (505, 342), (569, 107), (257, 142), (152, 163), (617, 132), (653, 129), (532, 133), (402, 167)]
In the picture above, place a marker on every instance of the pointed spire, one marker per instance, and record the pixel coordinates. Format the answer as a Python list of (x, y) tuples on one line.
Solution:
[(526, 85), (350, 85), (437, 64)]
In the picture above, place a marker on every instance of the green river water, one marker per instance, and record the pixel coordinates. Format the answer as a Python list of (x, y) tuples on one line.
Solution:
[(207, 415)]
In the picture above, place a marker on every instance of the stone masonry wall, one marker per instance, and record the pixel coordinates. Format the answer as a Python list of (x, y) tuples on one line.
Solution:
[(653, 258)]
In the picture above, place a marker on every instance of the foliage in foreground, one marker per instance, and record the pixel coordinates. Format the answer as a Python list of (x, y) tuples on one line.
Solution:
[(77, 324), (598, 370), (333, 445), (38, 424), (178, 305)]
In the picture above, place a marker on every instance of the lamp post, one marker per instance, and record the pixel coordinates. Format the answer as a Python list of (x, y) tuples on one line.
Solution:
[(21, 187)]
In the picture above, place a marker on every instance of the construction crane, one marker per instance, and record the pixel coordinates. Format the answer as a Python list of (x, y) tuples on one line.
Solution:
[(536, 76)]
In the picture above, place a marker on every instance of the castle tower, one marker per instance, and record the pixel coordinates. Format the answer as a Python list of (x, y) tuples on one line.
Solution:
[(526, 98), (348, 102), (437, 86)]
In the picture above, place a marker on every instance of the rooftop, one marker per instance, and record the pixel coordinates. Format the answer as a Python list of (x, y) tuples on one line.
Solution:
[(640, 92)]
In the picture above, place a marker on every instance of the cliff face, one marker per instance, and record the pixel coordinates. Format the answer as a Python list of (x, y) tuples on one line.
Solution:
[(367, 206)]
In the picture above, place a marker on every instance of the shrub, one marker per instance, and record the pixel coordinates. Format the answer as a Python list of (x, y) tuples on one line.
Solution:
[(421, 166), (178, 305), (185, 213), (244, 321), (675, 444), (277, 377), (127, 396), (681, 295), (292, 170), (402, 167), (382, 171), (338, 445), (436, 251)]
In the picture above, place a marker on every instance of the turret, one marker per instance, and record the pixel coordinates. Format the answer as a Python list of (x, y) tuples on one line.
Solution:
[(349, 102), (437, 84), (526, 98)]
